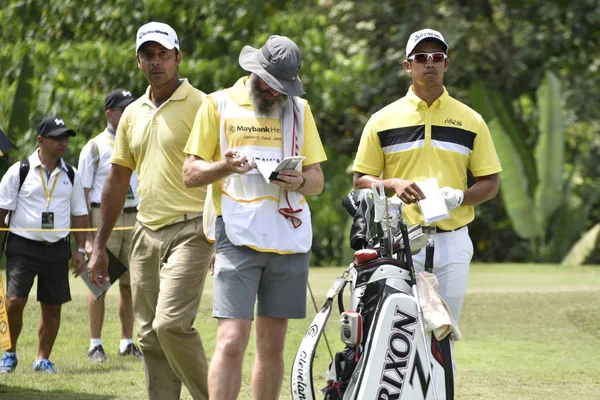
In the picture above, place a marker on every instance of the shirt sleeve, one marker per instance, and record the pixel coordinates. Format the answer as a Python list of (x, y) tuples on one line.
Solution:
[(87, 165), (78, 206), (9, 188), (369, 156), (484, 159), (313, 147), (121, 153), (205, 135)]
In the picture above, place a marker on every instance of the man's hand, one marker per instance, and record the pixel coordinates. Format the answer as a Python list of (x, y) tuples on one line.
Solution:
[(77, 263), (237, 163), (407, 191), (289, 179), (452, 197), (89, 245), (98, 267)]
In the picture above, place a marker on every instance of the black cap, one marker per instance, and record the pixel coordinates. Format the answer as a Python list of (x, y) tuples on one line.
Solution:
[(53, 126), (118, 98)]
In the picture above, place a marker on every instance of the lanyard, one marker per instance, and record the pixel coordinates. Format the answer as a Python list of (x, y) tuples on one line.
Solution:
[(46, 194), (110, 140)]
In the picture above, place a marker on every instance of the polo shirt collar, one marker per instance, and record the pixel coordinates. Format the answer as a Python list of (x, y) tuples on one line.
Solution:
[(239, 92), (416, 100), (180, 93), (34, 161)]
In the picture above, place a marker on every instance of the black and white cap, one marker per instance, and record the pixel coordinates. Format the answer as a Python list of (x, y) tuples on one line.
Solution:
[(118, 98), (53, 126)]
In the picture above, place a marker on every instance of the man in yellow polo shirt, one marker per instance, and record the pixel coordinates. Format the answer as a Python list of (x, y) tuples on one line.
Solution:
[(428, 134), (169, 251), (263, 229)]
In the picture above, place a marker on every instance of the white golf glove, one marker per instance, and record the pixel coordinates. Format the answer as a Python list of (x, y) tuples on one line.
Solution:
[(452, 197)]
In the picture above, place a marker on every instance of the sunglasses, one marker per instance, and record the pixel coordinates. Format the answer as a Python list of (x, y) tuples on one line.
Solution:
[(421, 58)]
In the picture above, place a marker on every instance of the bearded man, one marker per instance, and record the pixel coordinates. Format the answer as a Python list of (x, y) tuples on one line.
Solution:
[(263, 231)]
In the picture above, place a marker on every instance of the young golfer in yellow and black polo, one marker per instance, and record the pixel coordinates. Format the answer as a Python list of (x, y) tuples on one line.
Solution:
[(44, 198), (169, 251), (94, 164), (428, 134), (263, 232)]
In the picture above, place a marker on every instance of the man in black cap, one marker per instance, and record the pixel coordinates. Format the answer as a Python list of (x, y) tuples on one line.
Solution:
[(41, 192), (263, 230), (94, 165)]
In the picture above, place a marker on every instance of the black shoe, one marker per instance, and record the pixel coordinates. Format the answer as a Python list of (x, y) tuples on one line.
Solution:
[(131, 350), (97, 354)]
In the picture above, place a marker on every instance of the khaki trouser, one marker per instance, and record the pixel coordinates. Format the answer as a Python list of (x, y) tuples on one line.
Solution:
[(168, 269), (119, 241)]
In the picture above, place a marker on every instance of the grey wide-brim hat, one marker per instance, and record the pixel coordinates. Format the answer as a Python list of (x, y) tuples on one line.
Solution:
[(277, 63)]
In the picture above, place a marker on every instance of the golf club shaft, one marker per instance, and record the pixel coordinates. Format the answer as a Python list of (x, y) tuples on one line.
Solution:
[(409, 261), (317, 311)]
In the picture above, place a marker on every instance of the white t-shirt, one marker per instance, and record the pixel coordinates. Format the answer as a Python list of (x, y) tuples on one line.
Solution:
[(28, 204), (94, 170)]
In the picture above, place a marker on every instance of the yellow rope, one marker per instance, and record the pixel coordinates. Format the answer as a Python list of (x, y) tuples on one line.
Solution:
[(119, 228)]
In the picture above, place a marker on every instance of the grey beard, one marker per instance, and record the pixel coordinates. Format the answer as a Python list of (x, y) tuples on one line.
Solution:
[(261, 105)]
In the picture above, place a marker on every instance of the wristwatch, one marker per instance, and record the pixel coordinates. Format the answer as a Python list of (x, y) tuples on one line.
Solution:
[(81, 250), (303, 183)]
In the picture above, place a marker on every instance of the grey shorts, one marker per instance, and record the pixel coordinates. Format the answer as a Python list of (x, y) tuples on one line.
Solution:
[(277, 282)]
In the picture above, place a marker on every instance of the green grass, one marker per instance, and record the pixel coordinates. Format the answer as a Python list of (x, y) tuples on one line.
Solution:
[(530, 332)]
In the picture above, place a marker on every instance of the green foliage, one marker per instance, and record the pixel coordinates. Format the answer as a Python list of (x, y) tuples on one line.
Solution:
[(550, 148), (545, 216), (583, 248), (328, 216), (352, 66)]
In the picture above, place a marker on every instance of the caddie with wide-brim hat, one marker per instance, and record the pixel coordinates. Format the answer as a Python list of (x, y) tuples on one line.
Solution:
[(257, 144), (277, 63)]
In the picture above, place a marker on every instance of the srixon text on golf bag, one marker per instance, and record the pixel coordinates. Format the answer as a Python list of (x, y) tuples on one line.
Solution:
[(388, 355)]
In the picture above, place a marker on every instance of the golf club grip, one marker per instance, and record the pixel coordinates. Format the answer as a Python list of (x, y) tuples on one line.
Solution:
[(429, 258), (341, 298)]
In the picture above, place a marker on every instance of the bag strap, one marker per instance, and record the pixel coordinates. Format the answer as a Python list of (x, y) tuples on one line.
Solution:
[(71, 174), (23, 172), (95, 152)]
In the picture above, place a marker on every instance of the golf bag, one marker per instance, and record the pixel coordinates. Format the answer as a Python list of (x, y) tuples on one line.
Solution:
[(388, 355)]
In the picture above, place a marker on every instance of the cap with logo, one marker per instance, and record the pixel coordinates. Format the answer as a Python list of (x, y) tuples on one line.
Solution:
[(156, 32), (277, 63), (53, 126), (118, 98), (424, 34)]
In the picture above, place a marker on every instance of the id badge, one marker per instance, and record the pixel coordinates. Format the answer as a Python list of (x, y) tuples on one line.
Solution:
[(47, 220), (130, 195)]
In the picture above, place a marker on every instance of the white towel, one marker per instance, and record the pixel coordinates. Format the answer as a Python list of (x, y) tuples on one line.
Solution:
[(293, 137), (436, 314)]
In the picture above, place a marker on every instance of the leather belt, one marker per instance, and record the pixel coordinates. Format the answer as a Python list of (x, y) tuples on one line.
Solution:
[(39, 242), (186, 217), (434, 229), (126, 210)]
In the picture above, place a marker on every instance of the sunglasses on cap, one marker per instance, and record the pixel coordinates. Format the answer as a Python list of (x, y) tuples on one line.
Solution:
[(421, 58)]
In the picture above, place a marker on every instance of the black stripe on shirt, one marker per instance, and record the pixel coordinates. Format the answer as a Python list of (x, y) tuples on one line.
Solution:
[(407, 134), (453, 135)]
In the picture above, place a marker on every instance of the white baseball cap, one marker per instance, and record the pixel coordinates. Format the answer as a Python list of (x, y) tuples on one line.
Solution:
[(424, 34), (156, 32)]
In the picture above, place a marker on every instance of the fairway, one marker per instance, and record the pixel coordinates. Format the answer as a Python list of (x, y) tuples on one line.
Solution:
[(530, 332)]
